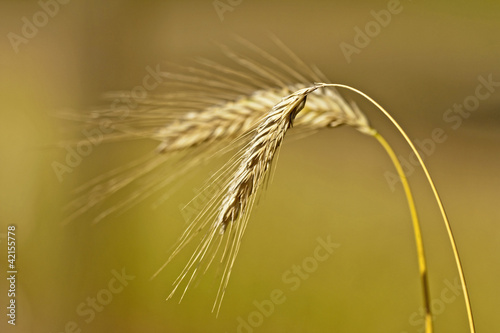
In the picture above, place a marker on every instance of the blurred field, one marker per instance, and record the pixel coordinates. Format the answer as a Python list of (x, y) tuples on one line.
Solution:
[(428, 58)]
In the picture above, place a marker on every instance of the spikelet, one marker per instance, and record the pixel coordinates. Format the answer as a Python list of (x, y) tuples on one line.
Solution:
[(225, 217), (206, 110)]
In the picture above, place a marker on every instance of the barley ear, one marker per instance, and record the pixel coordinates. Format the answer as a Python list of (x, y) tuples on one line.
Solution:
[(434, 191)]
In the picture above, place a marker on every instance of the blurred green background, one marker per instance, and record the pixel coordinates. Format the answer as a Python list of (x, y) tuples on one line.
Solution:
[(428, 58)]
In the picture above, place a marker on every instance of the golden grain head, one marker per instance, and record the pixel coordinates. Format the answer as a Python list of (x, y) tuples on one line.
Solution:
[(209, 110), (205, 111), (227, 214)]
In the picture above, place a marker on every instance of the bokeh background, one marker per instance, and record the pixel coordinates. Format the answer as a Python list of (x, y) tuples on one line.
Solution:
[(428, 58)]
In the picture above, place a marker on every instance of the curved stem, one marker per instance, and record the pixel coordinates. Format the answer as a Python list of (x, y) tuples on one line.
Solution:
[(422, 264), (434, 191)]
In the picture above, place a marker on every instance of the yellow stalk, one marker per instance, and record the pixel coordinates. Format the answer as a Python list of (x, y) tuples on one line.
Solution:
[(436, 196), (422, 264)]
